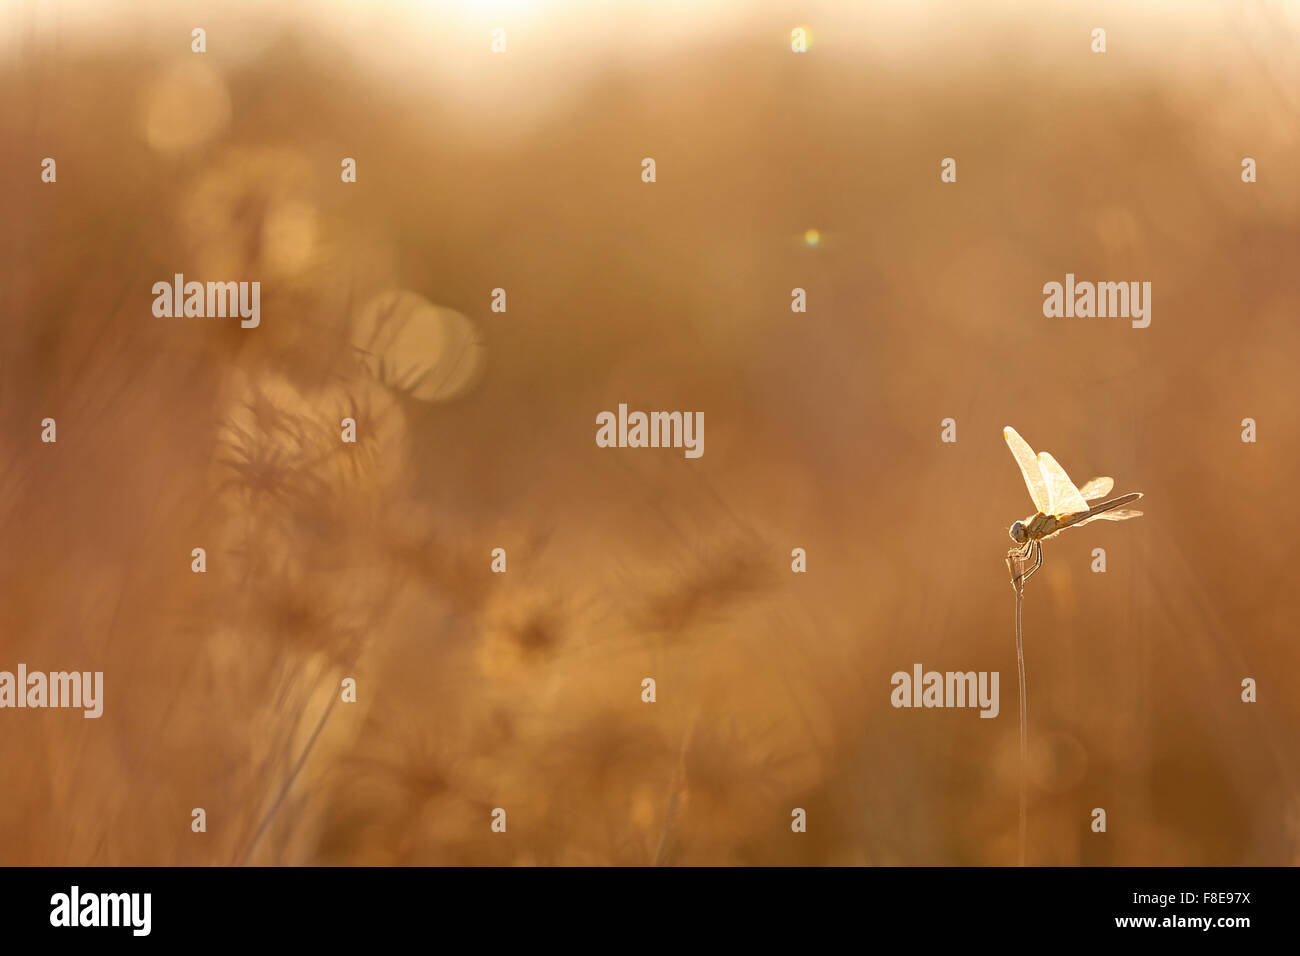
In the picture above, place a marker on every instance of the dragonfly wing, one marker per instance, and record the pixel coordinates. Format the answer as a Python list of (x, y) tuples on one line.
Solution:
[(1065, 498), (1097, 488), (1030, 469), (1119, 514)]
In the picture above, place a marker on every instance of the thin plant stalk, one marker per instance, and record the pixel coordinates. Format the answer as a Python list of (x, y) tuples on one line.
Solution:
[(678, 786), (288, 784), (1014, 562)]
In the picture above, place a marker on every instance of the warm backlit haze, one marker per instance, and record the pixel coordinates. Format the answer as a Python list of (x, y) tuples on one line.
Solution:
[(522, 690)]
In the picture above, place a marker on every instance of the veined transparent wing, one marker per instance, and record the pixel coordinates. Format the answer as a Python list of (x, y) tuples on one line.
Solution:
[(1115, 514), (1119, 514), (1105, 510), (1097, 488), (1030, 469), (1065, 498)]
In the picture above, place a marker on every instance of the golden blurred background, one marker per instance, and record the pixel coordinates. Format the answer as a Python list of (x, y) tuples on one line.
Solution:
[(522, 690)]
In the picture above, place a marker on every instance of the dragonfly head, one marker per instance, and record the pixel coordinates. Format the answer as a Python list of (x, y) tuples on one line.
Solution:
[(1019, 533)]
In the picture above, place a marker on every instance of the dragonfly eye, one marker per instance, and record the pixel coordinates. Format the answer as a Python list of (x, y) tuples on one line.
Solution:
[(1018, 534)]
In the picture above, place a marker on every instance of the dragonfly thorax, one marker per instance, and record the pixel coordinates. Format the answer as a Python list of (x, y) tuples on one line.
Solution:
[(1035, 527)]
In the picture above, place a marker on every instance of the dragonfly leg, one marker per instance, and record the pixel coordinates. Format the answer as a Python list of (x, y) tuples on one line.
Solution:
[(1036, 547)]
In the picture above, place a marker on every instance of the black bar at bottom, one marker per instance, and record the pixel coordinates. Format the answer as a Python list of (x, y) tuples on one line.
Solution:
[(461, 907)]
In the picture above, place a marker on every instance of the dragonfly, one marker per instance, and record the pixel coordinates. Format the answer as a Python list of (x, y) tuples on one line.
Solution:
[(1060, 504)]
